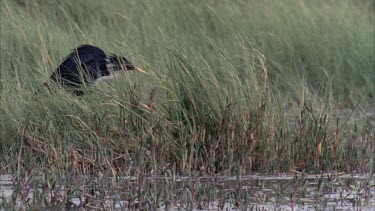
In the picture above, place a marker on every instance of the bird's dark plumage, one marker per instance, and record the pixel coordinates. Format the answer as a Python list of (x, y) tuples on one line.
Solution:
[(87, 65)]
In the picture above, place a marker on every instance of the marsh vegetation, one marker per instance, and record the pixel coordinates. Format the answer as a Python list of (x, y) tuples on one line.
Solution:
[(235, 87)]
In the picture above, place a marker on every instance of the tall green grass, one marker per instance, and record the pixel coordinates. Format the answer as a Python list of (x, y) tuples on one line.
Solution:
[(222, 75)]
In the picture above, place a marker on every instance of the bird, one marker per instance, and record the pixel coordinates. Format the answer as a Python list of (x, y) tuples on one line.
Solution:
[(86, 66)]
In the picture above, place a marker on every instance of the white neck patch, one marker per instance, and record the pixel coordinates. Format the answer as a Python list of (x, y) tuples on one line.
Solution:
[(113, 74)]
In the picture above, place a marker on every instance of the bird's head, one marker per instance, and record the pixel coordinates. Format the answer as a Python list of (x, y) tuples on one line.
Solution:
[(121, 63)]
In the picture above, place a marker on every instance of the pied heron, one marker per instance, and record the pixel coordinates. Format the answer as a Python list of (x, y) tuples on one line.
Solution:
[(88, 65)]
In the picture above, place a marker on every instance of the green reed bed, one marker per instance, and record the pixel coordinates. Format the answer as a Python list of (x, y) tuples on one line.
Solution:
[(222, 77)]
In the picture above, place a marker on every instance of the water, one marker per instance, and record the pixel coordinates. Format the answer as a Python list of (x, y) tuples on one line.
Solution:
[(251, 192)]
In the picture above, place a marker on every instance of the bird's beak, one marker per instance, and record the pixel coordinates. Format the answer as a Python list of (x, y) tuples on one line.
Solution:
[(140, 70)]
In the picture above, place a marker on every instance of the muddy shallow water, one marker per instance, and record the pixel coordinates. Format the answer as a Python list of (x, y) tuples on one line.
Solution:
[(251, 192)]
